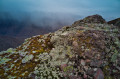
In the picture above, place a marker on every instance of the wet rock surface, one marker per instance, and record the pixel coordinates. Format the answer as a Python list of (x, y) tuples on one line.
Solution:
[(89, 49)]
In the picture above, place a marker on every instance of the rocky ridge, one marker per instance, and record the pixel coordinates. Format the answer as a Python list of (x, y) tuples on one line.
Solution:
[(88, 49), (115, 22)]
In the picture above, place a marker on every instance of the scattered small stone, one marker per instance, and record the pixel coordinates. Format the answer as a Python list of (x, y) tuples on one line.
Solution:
[(83, 62)]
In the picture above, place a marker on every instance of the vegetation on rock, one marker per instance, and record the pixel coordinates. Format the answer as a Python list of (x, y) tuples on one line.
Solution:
[(88, 49)]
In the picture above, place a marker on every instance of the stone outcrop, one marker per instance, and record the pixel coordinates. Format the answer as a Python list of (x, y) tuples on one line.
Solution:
[(90, 19), (115, 22), (85, 50)]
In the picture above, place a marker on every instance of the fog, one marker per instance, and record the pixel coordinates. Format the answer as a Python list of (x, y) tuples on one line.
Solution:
[(64, 12)]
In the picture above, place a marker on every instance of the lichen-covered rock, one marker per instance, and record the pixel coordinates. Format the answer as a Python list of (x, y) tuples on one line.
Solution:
[(90, 19), (90, 50), (115, 22)]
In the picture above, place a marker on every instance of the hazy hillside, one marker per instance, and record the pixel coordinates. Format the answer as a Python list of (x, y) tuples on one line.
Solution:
[(11, 28), (8, 42)]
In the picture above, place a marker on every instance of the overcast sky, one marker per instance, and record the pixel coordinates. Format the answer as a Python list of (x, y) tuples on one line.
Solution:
[(109, 9)]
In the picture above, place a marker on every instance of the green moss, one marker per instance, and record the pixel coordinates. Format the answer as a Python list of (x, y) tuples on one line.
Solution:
[(69, 51), (108, 77), (106, 69), (106, 72), (68, 68)]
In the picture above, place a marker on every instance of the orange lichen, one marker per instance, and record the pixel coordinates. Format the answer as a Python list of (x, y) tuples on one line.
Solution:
[(33, 40), (20, 69), (35, 45)]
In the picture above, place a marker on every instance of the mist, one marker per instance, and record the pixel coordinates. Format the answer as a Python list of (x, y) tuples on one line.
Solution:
[(59, 11)]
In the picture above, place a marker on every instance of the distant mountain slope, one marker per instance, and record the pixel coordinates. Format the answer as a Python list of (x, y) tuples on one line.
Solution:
[(11, 29), (19, 32), (85, 50), (8, 42)]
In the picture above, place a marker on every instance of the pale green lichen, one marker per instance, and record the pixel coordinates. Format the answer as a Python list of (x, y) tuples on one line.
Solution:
[(10, 50), (43, 57), (114, 56), (11, 77), (27, 58), (4, 60), (117, 42), (22, 53)]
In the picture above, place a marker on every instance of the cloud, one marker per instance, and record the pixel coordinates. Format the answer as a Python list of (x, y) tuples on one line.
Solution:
[(74, 7)]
